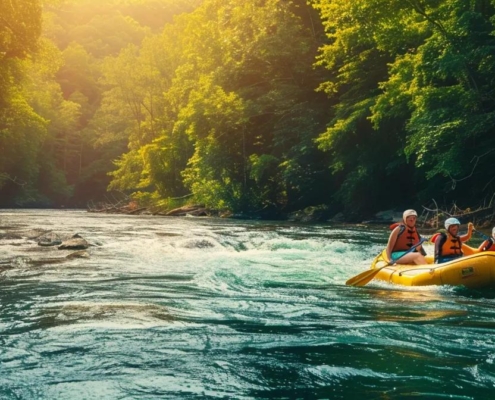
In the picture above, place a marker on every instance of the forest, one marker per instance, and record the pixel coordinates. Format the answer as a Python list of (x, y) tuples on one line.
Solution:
[(256, 107)]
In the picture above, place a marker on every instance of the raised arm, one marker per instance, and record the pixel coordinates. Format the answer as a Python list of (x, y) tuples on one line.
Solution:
[(467, 236)]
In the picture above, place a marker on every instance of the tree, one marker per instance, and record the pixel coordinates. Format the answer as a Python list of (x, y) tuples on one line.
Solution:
[(364, 37), (243, 97), (20, 28), (21, 129), (444, 90)]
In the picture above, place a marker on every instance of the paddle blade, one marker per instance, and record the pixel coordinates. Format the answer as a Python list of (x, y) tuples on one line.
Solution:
[(363, 278)]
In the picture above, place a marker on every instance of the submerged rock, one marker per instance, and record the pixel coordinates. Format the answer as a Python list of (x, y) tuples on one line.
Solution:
[(49, 239), (198, 244), (34, 234), (45, 261), (78, 254)]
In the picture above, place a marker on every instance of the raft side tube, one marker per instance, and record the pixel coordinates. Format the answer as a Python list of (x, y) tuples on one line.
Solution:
[(472, 271)]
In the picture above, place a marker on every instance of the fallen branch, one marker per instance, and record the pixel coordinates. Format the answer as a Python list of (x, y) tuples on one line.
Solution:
[(484, 215)]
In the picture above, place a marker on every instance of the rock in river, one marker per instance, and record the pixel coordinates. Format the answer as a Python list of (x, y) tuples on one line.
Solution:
[(74, 244)]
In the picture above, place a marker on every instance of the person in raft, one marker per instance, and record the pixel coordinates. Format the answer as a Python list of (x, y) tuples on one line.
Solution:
[(402, 238), (448, 245), (488, 244)]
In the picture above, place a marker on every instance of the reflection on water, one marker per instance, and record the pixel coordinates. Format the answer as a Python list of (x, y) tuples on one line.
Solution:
[(106, 313), (208, 308), (419, 316), (409, 294)]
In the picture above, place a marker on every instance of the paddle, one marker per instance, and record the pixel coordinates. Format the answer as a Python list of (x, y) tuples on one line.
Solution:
[(486, 238), (481, 234), (364, 277)]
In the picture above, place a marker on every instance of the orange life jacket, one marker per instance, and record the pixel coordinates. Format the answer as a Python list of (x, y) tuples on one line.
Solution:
[(407, 237), (452, 246)]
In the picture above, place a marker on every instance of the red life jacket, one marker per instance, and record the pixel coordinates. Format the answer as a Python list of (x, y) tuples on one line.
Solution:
[(488, 245)]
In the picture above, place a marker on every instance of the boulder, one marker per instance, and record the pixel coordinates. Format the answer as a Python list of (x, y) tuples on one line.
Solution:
[(388, 216), (74, 244), (310, 214), (49, 239), (339, 217)]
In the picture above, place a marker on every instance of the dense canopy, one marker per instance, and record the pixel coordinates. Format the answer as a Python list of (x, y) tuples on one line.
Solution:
[(253, 106)]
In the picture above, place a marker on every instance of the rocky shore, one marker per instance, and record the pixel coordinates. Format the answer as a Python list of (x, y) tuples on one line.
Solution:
[(39, 247), (483, 217)]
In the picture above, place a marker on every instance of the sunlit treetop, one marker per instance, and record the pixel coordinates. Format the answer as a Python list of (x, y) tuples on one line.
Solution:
[(20, 27)]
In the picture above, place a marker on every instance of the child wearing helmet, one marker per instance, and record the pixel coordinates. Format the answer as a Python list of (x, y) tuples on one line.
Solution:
[(448, 245), (402, 238), (488, 244)]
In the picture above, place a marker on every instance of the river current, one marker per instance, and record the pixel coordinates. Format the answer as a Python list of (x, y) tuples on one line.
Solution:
[(212, 308)]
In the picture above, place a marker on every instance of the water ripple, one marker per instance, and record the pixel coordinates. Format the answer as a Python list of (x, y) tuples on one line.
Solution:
[(208, 308)]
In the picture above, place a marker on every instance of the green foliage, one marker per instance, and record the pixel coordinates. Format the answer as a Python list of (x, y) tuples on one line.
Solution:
[(218, 105), (450, 87), (103, 28), (20, 27), (22, 130), (262, 166), (217, 90), (249, 42), (21, 135), (428, 80), (129, 172), (48, 98), (213, 120)]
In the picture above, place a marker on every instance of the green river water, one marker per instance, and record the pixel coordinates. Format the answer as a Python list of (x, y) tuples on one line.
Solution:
[(194, 308)]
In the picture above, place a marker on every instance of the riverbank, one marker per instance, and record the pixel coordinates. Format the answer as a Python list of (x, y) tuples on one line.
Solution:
[(483, 217)]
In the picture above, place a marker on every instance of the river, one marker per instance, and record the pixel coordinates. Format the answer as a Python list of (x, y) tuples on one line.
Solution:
[(192, 308)]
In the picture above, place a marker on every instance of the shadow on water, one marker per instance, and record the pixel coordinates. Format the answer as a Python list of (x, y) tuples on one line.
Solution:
[(483, 293)]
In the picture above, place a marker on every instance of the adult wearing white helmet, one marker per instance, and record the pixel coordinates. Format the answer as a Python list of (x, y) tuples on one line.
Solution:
[(488, 244), (451, 221), (449, 245), (402, 238)]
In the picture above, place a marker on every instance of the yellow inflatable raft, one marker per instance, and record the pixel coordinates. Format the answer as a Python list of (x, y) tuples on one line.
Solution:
[(475, 270)]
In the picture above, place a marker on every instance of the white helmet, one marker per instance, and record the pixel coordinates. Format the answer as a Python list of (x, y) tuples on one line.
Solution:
[(451, 221), (408, 213), (493, 232)]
